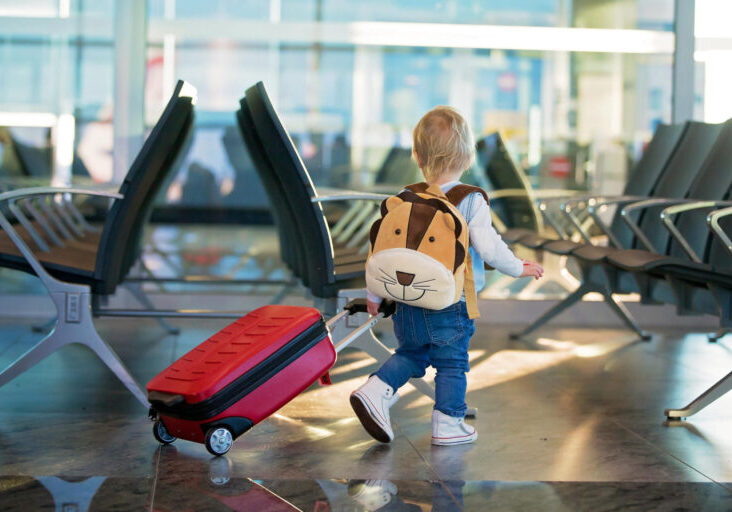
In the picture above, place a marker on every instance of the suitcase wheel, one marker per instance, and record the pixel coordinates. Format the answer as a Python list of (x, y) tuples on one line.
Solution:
[(219, 440), (161, 433)]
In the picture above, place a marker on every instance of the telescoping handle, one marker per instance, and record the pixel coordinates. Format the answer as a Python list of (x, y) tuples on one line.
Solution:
[(386, 309)]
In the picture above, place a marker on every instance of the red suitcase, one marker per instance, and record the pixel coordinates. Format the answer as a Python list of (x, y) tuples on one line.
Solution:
[(239, 376)]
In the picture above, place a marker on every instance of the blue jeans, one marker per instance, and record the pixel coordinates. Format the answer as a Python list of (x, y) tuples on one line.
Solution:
[(437, 338)]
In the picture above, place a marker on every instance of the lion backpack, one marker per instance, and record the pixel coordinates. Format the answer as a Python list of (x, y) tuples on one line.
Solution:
[(418, 253)]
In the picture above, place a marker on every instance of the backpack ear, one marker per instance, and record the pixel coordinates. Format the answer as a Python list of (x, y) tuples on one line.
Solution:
[(374, 231), (449, 220), (390, 203), (459, 255)]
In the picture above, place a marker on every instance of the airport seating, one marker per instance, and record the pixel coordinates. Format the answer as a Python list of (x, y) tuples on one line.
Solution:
[(674, 182), (674, 242), (642, 182), (79, 266), (695, 282), (322, 273)]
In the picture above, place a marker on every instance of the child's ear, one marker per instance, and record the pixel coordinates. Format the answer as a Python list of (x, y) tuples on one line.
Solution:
[(416, 158), (390, 203)]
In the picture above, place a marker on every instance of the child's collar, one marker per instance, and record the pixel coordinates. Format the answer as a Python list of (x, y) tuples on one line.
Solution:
[(449, 184)]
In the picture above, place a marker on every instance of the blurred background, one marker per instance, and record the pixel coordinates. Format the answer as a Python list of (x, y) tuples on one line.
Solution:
[(575, 87)]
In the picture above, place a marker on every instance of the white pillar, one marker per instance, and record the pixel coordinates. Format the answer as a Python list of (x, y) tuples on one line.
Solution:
[(683, 82), (130, 42)]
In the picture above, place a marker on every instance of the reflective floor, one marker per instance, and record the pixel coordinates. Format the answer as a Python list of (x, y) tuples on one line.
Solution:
[(571, 420), (568, 422)]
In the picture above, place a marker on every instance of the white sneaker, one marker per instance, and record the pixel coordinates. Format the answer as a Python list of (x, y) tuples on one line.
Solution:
[(372, 494), (448, 430), (371, 403)]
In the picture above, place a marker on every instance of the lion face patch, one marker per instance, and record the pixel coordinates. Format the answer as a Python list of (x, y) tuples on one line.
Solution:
[(417, 252)]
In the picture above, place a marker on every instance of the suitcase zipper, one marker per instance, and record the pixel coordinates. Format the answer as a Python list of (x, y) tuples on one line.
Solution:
[(247, 382)]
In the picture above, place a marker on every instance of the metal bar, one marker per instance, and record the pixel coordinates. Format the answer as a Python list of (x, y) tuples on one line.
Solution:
[(357, 221), (633, 225), (45, 191), (667, 218), (713, 222), (349, 196), (345, 219), (65, 233), (605, 229), (42, 245), (556, 309), (575, 221), (552, 222), (48, 281), (358, 331), (364, 231), (66, 218), (28, 203), (75, 213), (719, 389), (169, 313), (207, 280)]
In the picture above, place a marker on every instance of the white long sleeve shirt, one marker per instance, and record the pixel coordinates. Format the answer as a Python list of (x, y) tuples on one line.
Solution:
[(486, 245)]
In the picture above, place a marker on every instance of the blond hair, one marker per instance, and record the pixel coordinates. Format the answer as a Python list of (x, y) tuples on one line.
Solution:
[(442, 142)]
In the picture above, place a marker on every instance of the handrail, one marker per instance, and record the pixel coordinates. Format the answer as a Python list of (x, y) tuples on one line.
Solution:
[(667, 219), (713, 222), (646, 203), (39, 191)]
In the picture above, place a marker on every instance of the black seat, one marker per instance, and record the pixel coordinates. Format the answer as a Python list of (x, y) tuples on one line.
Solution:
[(685, 164), (324, 276), (518, 212), (102, 261), (648, 268), (643, 181), (291, 250), (83, 268)]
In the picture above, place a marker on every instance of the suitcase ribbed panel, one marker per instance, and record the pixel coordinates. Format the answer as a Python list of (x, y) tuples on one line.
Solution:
[(231, 352)]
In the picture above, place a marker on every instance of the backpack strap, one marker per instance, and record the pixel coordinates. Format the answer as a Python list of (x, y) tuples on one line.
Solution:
[(459, 192), (417, 188), (456, 195)]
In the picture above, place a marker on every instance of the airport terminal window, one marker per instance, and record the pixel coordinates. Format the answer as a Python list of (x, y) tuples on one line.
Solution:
[(346, 101)]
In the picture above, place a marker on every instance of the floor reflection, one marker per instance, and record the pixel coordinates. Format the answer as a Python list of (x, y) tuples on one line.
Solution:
[(214, 491)]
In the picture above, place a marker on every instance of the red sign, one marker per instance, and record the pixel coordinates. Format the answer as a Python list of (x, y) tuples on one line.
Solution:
[(559, 166)]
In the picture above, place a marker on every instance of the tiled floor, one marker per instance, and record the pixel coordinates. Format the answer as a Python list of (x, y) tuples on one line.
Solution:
[(572, 421)]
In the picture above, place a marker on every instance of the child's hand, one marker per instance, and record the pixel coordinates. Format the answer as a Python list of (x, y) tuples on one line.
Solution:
[(372, 307), (533, 269)]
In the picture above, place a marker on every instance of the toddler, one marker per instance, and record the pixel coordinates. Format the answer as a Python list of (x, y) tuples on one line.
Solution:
[(443, 148)]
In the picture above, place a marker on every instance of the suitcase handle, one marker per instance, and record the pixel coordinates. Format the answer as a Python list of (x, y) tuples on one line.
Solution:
[(387, 307), (164, 398)]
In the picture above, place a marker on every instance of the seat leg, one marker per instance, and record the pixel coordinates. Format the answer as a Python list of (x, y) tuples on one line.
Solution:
[(710, 395), (620, 310), (715, 337), (44, 348), (44, 327), (136, 290), (75, 325), (560, 306), (102, 349)]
